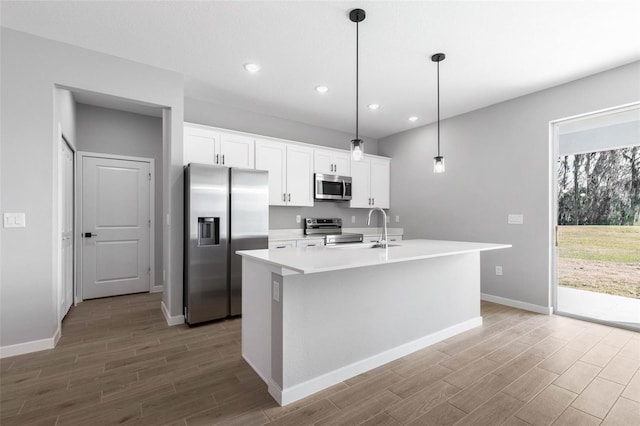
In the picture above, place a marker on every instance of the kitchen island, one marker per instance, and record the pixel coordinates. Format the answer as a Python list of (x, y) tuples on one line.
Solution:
[(313, 317)]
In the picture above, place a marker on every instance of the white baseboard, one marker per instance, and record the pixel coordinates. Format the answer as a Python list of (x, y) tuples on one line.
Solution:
[(157, 288), (177, 320), (301, 390), (546, 310), (28, 347)]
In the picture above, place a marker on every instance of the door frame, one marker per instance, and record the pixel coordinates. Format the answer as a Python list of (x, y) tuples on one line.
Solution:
[(554, 150), (81, 155)]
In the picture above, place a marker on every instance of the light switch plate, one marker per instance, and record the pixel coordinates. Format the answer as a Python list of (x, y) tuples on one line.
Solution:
[(515, 219), (298, 218), (276, 291), (14, 220)]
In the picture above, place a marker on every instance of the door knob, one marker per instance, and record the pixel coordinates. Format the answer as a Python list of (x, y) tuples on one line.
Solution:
[(89, 235)]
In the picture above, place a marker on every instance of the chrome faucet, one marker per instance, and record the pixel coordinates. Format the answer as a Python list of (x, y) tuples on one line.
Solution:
[(383, 242)]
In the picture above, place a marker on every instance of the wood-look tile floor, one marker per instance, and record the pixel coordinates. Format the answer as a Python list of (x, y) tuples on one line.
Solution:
[(118, 362)]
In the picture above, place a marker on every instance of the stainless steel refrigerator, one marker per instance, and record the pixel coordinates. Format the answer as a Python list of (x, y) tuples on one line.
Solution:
[(226, 209)]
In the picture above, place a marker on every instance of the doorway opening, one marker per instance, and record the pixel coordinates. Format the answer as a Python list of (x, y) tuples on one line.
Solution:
[(596, 189)]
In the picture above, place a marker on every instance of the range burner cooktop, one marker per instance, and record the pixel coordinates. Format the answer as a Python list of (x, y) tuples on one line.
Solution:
[(331, 228)]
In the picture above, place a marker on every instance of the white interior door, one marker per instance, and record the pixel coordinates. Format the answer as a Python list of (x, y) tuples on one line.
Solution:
[(116, 225), (66, 228)]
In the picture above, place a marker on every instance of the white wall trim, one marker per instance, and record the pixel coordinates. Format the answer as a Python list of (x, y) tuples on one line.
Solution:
[(177, 320), (301, 390), (28, 347), (546, 310), (158, 288)]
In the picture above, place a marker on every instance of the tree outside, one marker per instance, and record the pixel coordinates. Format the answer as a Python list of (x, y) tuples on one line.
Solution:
[(599, 221)]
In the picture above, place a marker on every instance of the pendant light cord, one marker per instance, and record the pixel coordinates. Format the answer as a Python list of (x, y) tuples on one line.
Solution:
[(357, 73), (438, 108)]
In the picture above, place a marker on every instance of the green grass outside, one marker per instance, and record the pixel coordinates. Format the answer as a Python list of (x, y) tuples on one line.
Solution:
[(604, 259)]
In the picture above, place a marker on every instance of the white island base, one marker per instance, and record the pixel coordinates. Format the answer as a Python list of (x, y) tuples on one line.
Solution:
[(311, 321)]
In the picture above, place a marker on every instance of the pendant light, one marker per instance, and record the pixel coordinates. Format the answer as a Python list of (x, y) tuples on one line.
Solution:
[(438, 161), (357, 144)]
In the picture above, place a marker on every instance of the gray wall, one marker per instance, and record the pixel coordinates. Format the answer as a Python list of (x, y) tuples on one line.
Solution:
[(201, 112), (498, 162), (31, 69), (108, 131)]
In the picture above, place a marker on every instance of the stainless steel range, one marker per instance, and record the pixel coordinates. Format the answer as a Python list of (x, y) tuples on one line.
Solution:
[(331, 229)]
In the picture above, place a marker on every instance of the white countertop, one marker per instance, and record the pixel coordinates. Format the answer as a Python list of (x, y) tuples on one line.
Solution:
[(309, 260)]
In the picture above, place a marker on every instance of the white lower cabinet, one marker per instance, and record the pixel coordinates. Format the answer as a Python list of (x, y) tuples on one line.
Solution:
[(371, 238), (282, 244), (290, 170), (310, 243), (370, 182)]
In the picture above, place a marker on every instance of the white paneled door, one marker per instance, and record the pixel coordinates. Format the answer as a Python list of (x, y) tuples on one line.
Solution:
[(116, 227), (66, 228)]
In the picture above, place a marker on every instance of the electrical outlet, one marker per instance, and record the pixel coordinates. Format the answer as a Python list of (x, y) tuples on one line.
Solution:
[(515, 219), (498, 270), (388, 219), (397, 219), (353, 219), (276, 291), (298, 218)]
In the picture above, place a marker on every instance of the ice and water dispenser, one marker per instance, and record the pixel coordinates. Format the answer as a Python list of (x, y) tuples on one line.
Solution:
[(208, 231)]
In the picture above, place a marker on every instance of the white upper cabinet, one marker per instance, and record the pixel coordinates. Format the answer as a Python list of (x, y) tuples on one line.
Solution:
[(211, 146), (200, 145), (331, 162), (290, 168), (237, 150), (291, 165), (370, 187)]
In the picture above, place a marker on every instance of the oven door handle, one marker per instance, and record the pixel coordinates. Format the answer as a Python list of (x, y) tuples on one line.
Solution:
[(344, 189)]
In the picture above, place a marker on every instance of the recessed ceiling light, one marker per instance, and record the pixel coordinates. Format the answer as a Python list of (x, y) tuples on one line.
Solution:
[(374, 106), (413, 118), (252, 67), (322, 89)]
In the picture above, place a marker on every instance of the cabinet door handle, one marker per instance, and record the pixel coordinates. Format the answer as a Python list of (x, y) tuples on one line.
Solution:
[(217, 158), (289, 196), (222, 158), (369, 201), (284, 197), (373, 201), (281, 247)]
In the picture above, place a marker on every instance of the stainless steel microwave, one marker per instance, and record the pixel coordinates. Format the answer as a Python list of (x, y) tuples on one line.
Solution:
[(332, 187)]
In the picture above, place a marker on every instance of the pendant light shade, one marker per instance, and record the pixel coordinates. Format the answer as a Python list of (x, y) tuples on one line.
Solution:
[(357, 149), (438, 160), (357, 144)]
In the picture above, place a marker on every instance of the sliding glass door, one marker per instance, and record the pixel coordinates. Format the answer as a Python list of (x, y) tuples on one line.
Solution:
[(597, 233)]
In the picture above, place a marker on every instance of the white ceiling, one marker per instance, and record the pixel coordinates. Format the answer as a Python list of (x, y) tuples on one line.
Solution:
[(495, 50)]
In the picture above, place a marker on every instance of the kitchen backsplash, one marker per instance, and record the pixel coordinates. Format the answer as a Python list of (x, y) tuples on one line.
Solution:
[(285, 217)]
